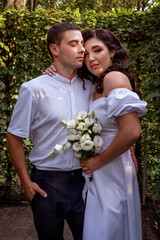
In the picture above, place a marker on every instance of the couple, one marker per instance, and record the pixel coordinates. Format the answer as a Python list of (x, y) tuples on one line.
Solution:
[(112, 209)]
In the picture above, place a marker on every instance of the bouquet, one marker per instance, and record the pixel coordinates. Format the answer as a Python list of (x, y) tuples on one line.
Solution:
[(83, 136)]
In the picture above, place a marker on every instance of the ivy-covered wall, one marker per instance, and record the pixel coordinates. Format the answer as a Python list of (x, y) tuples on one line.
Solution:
[(24, 55)]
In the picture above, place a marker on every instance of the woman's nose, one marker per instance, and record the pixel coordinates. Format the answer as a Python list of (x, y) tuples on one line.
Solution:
[(91, 57)]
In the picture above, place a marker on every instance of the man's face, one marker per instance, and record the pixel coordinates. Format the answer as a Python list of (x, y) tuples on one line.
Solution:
[(70, 53)]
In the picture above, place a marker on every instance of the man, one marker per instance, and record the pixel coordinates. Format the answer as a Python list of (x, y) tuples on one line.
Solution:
[(55, 187)]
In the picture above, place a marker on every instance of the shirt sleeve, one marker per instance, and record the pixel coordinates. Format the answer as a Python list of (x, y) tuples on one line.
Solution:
[(121, 101), (23, 113)]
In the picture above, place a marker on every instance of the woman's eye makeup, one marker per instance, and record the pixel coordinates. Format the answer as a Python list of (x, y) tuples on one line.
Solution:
[(98, 50)]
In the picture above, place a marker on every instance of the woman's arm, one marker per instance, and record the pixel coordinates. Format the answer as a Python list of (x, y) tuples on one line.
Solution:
[(129, 132), (129, 127)]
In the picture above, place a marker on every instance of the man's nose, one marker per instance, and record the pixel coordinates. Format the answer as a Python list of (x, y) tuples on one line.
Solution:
[(81, 48)]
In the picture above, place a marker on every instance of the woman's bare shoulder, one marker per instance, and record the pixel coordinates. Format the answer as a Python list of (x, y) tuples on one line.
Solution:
[(114, 80)]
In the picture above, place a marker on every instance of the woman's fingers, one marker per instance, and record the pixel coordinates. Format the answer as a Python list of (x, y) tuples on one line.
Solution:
[(47, 72), (86, 170), (50, 71)]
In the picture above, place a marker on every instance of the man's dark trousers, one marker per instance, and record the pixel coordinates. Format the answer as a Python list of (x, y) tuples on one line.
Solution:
[(64, 201)]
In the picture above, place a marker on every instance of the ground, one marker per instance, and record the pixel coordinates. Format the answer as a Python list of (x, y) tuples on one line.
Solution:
[(150, 221), (16, 222)]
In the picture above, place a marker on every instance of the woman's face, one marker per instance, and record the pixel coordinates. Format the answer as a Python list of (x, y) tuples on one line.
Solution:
[(97, 58)]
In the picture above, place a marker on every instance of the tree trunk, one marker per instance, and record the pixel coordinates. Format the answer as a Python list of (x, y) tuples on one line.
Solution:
[(35, 4), (16, 4), (19, 3), (31, 5), (139, 2)]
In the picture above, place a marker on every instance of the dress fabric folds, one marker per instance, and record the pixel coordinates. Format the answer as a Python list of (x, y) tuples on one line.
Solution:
[(113, 205)]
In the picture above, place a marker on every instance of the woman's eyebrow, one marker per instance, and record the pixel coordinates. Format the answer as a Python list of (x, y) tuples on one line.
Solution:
[(96, 46)]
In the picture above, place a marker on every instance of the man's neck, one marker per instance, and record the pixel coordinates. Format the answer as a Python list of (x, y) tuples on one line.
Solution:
[(65, 72)]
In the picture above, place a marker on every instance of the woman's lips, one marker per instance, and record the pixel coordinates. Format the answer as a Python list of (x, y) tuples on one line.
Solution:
[(94, 66)]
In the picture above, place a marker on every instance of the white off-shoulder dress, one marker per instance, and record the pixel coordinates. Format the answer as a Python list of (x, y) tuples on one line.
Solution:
[(113, 205)]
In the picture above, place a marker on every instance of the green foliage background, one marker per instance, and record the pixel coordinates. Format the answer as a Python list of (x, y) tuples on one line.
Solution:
[(24, 55)]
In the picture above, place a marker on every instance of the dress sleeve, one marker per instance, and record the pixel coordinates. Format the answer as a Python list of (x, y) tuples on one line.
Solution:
[(121, 101), (23, 113)]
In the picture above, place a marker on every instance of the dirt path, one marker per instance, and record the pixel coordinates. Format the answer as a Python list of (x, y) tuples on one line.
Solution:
[(16, 223)]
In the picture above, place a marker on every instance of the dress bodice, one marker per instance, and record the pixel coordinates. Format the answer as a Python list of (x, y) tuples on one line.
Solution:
[(119, 102)]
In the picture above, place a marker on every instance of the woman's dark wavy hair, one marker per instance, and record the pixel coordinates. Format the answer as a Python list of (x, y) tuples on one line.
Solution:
[(120, 58)]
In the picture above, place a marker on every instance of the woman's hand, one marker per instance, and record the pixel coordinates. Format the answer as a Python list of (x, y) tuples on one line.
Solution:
[(50, 71), (92, 164)]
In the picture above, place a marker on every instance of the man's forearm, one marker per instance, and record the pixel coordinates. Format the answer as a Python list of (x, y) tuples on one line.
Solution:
[(16, 152)]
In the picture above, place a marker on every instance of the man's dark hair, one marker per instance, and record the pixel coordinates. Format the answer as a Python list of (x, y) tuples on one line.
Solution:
[(55, 33)]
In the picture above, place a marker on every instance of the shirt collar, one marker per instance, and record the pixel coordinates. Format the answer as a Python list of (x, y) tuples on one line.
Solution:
[(63, 79)]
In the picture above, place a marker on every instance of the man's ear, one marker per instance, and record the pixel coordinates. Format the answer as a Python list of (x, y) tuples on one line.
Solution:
[(54, 49)]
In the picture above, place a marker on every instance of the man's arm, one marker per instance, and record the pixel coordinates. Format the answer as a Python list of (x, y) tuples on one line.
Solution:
[(134, 159), (16, 152)]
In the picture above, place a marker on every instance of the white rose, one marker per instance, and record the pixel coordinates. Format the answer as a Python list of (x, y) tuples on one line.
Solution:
[(71, 123), (58, 148), (81, 115), (76, 146), (82, 126), (98, 141), (77, 121), (97, 150), (97, 128), (73, 131), (85, 137), (78, 136), (89, 121), (77, 154), (66, 146), (87, 146), (72, 137), (75, 137)]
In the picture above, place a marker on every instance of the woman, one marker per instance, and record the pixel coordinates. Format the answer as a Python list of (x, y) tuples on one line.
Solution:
[(112, 205)]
